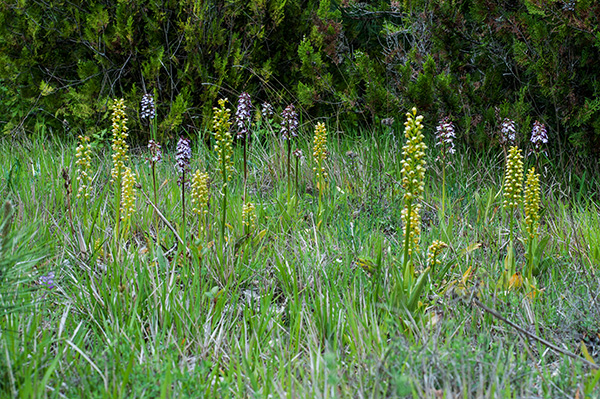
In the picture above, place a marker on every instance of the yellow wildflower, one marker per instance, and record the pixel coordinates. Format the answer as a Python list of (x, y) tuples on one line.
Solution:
[(413, 177), (532, 202), (223, 139), (119, 133), (513, 179), (83, 162), (320, 151)]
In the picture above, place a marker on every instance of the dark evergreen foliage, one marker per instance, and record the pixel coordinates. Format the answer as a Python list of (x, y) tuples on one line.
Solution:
[(477, 61)]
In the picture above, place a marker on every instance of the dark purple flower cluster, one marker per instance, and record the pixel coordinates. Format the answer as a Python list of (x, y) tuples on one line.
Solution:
[(445, 136), (508, 133), (148, 108), (155, 152), (183, 158), (289, 123), (539, 136), (243, 115)]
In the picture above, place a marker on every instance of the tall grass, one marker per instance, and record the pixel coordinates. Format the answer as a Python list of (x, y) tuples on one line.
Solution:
[(288, 308)]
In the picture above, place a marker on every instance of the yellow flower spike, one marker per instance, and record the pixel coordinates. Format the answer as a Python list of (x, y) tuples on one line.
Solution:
[(413, 178), (84, 162), (223, 139), (532, 203), (200, 193), (119, 132), (249, 216), (320, 151), (434, 250), (513, 179), (128, 194)]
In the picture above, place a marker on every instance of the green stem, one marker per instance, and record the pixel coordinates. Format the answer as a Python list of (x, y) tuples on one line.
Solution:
[(224, 208), (443, 190), (155, 202), (183, 206), (289, 158), (297, 161), (118, 211), (407, 234)]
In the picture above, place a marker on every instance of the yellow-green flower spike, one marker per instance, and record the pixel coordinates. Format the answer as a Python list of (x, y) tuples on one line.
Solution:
[(223, 138), (249, 216), (434, 250), (119, 133), (413, 177), (513, 179), (200, 193), (84, 163), (128, 194), (320, 150), (532, 203)]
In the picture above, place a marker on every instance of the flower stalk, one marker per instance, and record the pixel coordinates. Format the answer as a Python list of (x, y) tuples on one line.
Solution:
[(413, 180), (224, 150)]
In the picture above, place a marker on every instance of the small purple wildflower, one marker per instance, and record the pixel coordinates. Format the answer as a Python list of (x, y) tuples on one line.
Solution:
[(148, 108), (243, 115), (445, 137), (508, 133), (539, 136), (267, 110), (183, 158), (289, 124), (298, 153), (47, 280), (155, 152)]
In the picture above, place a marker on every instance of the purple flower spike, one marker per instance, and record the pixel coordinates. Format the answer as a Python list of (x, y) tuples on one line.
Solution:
[(539, 137), (243, 115), (289, 124), (148, 108), (155, 152), (183, 157), (446, 136), (267, 111), (508, 132)]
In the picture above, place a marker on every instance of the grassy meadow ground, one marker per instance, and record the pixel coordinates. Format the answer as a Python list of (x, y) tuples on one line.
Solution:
[(302, 305)]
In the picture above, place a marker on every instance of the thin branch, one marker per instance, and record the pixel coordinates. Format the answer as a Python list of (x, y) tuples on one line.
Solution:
[(533, 336)]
